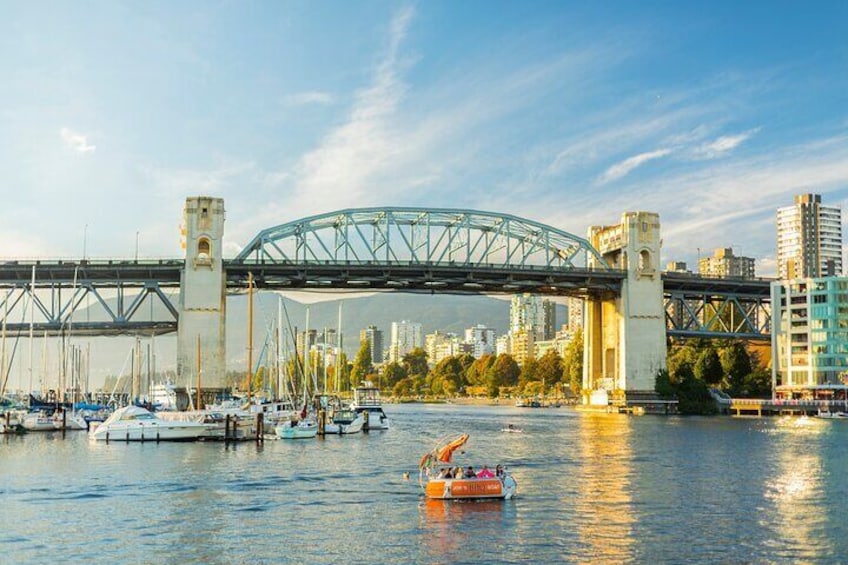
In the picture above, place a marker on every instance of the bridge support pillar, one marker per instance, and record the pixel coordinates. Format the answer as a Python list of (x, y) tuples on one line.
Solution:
[(202, 295), (625, 335)]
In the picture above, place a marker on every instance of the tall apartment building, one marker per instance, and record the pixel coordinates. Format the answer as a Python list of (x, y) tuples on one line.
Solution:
[(809, 334), (374, 337), (481, 339), (528, 312), (724, 263), (575, 313), (406, 336), (809, 239), (440, 346)]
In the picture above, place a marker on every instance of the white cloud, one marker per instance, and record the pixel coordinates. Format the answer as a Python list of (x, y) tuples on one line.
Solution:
[(76, 141), (624, 167), (723, 145), (310, 97), (339, 170)]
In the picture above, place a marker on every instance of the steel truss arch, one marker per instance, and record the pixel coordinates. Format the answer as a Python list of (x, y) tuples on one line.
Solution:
[(421, 236)]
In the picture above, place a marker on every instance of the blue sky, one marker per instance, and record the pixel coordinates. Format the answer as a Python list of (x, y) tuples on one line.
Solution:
[(711, 113)]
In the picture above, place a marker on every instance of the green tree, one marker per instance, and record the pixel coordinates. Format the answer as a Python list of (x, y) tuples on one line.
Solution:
[(393, 373), (362, 366), (415, 362), (572, 364), (663, 385), (447, 377), (503, 372), (550, 368), (736, 363), (476, 373), (404, 387), (708, 367), (529, 373)]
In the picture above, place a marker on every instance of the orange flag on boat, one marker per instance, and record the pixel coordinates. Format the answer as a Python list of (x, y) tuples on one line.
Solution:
[(446, 452)]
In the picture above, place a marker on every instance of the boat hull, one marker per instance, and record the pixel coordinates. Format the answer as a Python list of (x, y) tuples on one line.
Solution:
[(459, 489), (296, 432), (176, 431)]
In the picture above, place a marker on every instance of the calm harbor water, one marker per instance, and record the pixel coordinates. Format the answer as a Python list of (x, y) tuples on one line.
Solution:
[(592, 487)]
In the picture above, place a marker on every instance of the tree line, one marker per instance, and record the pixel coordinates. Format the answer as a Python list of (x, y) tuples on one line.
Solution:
[(489, 375)]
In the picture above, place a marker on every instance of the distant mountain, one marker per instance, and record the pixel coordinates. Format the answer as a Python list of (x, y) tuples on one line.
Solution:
[(443, 312)]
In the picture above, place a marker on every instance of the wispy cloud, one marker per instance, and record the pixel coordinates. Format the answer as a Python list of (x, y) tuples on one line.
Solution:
[(723, 145), (339, 169), (76, 141), (624, 168), (310, 97)]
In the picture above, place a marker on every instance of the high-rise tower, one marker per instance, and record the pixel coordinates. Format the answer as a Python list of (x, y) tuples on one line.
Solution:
[(809, 239)]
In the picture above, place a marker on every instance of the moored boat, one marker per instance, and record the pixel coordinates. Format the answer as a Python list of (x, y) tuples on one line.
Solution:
[(345, 422), (366, 400), (832, 415), (134, 423), (446, 486), (39, 421), (303, 429)]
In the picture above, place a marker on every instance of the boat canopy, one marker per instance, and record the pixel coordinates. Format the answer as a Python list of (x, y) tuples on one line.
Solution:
[(443, 451)]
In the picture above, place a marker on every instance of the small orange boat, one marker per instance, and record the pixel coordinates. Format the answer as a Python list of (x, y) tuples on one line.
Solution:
[(502, 485)]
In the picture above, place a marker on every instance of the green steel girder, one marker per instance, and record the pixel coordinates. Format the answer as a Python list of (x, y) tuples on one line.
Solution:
[(418, 236)]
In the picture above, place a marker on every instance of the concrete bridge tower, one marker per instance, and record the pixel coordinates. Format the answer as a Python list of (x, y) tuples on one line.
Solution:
[(625, 336), (202, 294)]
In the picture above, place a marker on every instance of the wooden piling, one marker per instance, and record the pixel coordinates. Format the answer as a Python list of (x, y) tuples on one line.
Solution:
[(227, 428), (322, 421)]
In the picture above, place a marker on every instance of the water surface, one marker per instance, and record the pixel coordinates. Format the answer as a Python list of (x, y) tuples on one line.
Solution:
[(592, 487)]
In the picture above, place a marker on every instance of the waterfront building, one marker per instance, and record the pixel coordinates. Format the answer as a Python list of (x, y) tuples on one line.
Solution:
[(523, 345), (575, 313), (440, 346), (503, 345), (724, 264), (809, 239), (531, 313), (374, 337), (406, 336), (306, 341), (481, 339), (677, 267), (809, 335)]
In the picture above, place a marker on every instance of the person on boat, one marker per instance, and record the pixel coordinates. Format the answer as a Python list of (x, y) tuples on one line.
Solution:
[(499, 471), (457, 473), (444, 473), (469, 473), (485, 473)]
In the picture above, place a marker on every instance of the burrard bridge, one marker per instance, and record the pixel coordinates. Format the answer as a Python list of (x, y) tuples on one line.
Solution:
[(631, 306)]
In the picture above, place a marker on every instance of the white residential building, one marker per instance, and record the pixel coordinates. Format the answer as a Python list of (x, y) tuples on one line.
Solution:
[(406, 336), (809, 239), (481, 339)]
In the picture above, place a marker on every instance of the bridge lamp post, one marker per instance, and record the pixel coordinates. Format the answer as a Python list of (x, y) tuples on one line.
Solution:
[(136, 246), (84, 240)]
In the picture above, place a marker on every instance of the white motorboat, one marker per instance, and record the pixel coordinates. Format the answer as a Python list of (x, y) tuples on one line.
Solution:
[(366, 400), (832, 415), (304, 429), (511, 429), (345, 422), (134, 423), (72, 421), (38, 422)]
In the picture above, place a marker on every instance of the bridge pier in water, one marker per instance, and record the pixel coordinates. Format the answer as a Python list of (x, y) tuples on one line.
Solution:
[(625, 334), (202, 306)]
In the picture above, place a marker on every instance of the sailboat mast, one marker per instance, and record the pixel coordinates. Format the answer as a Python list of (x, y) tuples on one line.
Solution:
[(281, 358), (339, 370), (306, 355), (44, 366), (5, 373), (31, 324), (198, 372), (249, 335), (325, 360)]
